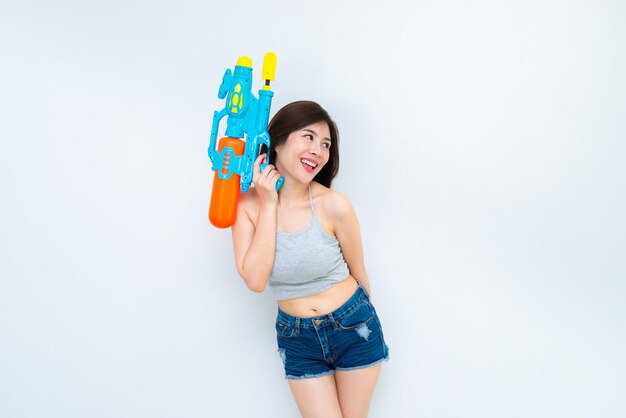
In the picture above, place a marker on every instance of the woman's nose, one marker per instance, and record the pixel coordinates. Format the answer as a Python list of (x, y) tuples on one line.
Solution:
[(315, 148)]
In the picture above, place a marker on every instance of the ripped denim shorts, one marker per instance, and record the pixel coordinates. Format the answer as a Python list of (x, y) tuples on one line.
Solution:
[(348, 338)]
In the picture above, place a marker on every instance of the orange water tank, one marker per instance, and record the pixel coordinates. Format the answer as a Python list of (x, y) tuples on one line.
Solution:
[(225, 193)]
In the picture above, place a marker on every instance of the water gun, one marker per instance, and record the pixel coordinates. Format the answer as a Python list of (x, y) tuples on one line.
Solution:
[(246, 137)]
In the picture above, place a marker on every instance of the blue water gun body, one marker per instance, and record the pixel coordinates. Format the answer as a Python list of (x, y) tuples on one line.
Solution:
[(246, 136), (247, 116)]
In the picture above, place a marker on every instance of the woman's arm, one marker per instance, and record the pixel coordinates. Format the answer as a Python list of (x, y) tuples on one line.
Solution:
[(346, 228), (255, 245)]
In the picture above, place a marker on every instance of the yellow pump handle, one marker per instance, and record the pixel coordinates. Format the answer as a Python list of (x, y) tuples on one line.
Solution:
[(269, 66)]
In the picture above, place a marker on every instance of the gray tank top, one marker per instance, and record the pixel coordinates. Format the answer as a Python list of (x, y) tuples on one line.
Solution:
[(306, 262)]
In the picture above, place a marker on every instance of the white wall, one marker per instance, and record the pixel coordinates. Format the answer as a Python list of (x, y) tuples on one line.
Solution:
[(482, 146)]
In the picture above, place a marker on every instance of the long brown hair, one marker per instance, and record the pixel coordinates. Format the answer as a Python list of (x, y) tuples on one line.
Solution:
[(296, 116)]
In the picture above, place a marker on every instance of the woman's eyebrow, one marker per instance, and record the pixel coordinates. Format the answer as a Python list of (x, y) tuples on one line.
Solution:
[(315, 133)]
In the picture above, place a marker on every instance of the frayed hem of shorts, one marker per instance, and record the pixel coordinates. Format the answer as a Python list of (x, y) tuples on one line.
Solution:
[(346, 369), (310, 376)]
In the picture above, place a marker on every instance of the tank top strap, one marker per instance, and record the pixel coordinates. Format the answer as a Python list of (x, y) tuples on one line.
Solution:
[(311, 202)]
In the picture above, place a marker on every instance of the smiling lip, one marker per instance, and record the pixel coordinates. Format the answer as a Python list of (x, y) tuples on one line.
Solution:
[(309, 164)]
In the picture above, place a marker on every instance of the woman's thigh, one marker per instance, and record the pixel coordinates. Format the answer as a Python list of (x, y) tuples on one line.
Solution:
[(316, 397), (355, 389)]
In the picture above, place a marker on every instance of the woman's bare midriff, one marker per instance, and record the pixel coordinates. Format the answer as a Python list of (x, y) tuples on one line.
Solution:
[(320, 303)]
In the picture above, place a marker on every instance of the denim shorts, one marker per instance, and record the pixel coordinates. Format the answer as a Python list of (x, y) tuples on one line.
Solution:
[(348, 338)]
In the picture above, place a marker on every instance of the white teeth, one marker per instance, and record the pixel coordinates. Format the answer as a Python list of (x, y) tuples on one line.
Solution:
[(309, 163)]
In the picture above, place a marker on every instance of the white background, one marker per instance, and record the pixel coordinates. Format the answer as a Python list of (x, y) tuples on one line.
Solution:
[(483, 147)]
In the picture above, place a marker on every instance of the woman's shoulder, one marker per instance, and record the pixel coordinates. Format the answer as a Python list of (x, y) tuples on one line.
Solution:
[(248, 197), (332, 203), (247, 205)]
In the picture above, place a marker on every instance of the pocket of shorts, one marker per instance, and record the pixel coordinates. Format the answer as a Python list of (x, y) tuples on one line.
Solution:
[(284, 330), (361, 315)]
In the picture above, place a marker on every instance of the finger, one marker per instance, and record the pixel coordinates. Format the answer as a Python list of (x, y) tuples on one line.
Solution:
[(256, 170), (269, 177), (267, 171), (264, 179), (274, 178), (268, 168)]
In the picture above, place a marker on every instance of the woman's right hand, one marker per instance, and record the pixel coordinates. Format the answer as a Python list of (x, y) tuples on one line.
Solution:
[(265, 182)]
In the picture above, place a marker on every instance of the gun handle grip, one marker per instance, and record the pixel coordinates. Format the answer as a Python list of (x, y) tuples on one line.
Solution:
[(279, 183)]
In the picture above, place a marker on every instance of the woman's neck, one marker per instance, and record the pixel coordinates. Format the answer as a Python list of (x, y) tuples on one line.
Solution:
[(290, 194)]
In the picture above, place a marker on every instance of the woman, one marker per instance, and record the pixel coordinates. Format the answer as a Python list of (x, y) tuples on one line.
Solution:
[(304, 242)]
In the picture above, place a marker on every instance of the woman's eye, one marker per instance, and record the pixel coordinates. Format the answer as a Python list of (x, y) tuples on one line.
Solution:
[(309, 136), (326, 145)]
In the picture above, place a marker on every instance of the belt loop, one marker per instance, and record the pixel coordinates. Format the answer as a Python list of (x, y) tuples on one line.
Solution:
[(297, 325), (332, 319)]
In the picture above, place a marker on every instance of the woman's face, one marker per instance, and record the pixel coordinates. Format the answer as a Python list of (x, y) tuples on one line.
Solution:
[(305, 152)]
